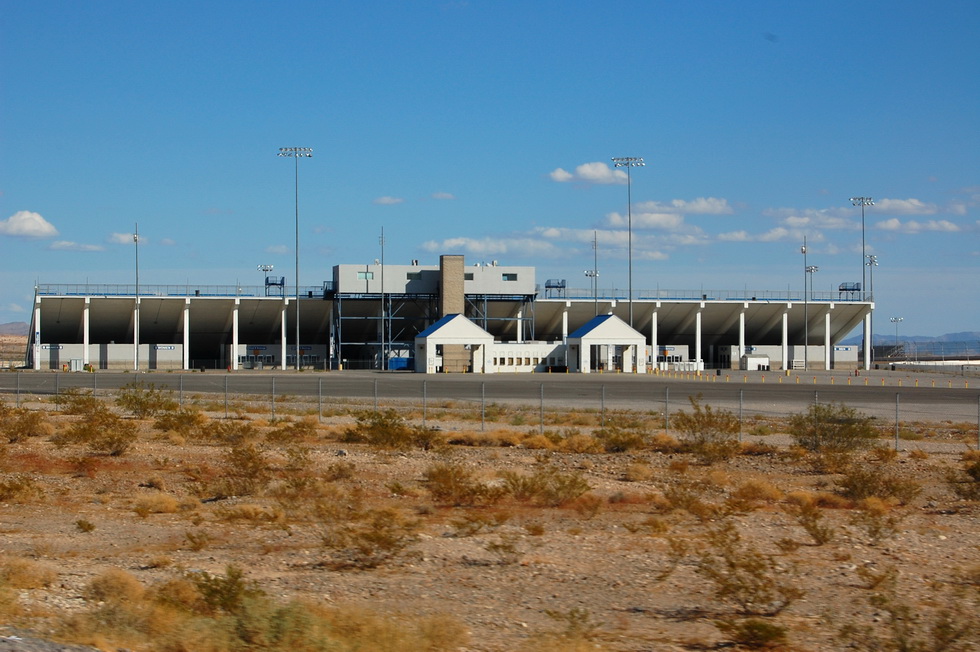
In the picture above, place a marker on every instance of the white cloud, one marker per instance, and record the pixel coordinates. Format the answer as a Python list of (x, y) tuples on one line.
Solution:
[(823, 218), (443, 195), (68, 245), (734, 236), (913, 226), (517, 246), (277, 249), (597, 172), (13, 307), (168, 242), (388, 201), (905, 207), (27, 224), (697, 206)]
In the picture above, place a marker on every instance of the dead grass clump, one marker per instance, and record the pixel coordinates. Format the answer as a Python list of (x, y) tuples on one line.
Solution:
[(664, 443), (294, 431), (18, 424), (546, 486), (453, 484), (580, 443), (966, 483), (245, 471), (19, 488), (638, 472), (388, 429), (538, 442), (188, 423), (616, 438), (709, 434), (759, 490), (232, 432), (861, 482), (115, 585), (253, 513), (21, 573), (144, 400), (156, 503), (364, 538), (809, 516), (101, 430)]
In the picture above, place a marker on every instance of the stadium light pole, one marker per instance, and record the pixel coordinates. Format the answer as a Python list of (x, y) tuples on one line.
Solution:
[(871, 264), (862, 202), (594, 272), (136, 316), (896, 321), (629, 162), (297, 153), (808, 271)]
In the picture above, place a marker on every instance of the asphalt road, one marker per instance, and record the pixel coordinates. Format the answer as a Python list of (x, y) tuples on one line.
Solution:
[(913, 397)]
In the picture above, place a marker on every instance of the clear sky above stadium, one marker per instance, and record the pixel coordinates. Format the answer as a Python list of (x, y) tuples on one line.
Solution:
[(486, 128)]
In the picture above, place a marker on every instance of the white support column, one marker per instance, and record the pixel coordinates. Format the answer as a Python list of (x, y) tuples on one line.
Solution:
[(697, 338), (741, 334), (826, 338), (86, 337), (564, 322), (234, 335), (187, 333), (520, 326), (282, 319), (786, 364), (136, 335), (584, 358), (867, 340), (654, 345), (37, 334)]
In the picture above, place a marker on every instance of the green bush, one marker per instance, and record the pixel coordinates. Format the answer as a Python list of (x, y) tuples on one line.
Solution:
[(711, 435), (145, 400), (831, 428)]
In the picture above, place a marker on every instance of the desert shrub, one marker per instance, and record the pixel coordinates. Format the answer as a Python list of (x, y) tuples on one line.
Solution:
[(20, 573), (114, 585), (387, 429), (454, 484), (638, 472), (76, 401), (809, 516), (293, 431), (144, 400), (877, 521), (101, 430), (84, 525), (184, 422), (156, 503), (19, 487), (227, 593), (616, 438), (742, 575), (581, 444), (831, 427), (753, 633), (966, 483), (860, 482), (546, 486), (231, 432), (18, 424), (711, 435), (245, 471), (364, 539)]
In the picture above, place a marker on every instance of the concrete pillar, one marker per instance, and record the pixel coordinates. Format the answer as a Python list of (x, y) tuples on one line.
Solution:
[(37, 334), (786, 338), (520, 326), (654, 346), (136, 334), (867, 342), (234, 335), (741, 335), (86, 333), (187, 333), (826, 339), (697, 337), (282, 335), (564, 323)]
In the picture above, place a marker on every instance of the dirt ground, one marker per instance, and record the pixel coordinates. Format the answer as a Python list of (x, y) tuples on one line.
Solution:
[(626, 566)]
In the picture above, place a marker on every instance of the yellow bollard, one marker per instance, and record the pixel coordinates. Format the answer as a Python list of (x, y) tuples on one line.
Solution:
[(899, 382), (848, 381), (797, 380), (831, 380)]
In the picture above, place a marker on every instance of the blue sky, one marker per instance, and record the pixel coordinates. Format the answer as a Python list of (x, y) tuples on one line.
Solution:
[(486, 128)]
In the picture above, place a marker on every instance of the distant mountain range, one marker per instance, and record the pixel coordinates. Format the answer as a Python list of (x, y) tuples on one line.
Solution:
[(14, 328), (965, 336)]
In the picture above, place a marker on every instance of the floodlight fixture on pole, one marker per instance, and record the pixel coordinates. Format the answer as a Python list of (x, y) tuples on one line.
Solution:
[(136, 315), (808, 271), (384, 311), (629, 162), (594, 272), (297, 153)]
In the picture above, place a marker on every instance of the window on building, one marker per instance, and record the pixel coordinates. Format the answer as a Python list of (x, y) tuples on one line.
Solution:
[(509, 276), (365, 276), (467, 276), (414, 276)]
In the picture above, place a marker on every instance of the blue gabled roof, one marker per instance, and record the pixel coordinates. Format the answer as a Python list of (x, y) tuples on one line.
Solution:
[(437, 325), (590, 325)]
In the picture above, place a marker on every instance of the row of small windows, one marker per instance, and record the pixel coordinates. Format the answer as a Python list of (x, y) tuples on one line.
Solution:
[(524, 362), (417, 276)]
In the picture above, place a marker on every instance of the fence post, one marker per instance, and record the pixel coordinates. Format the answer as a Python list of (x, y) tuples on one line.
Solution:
[(180, 390), (57, 378), (273, 397), (602, 405), (18, 389), (226, 396), (423, 402), (375, 395), (666, 409), (483, 406), (319, 400)]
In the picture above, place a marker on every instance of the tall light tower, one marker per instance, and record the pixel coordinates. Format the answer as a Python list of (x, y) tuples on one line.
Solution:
[(384, 311), (808, 272), (297, 153), (594, 272), (872, 262), (629, 162), (136, 316), (896, 321), (862, 202)]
